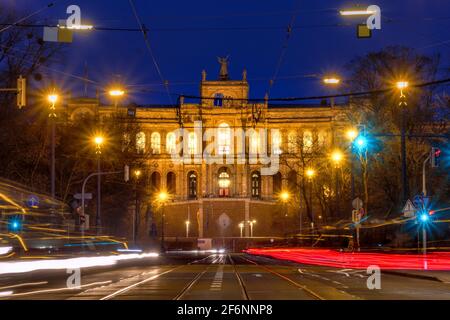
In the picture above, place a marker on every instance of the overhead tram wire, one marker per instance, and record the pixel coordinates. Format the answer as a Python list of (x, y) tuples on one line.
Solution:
[(283, 50), (349, 94), (149, 48), (49, 5)]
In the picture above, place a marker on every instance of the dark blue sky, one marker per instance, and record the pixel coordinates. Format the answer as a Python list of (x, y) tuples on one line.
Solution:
[(188, 36)]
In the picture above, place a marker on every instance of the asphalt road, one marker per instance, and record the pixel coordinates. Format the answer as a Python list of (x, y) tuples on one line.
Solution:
[(181, 276)]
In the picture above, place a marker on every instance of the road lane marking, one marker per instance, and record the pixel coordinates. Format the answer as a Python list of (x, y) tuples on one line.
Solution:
[(28, 284), (59, 289)]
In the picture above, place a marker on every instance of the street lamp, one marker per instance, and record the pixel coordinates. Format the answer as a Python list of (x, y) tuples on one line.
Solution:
[(53, 99), (116, 94), (98, 141), (310, 173), (401, 86), (284, 197), (351, 134), (137, 175), (241, 227), (337, 157), (187, 228), (162, 198), (332, 81), (252, 222)]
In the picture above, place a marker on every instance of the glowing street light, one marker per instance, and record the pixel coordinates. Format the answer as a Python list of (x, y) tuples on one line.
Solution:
[(337, 157), (52, 98), (116, 92), (310, 173), (252, 222), (356, 12), (163, 196), (331, 81), (98, 140), (351, 134), (284, 196), (402, 85), (187, 222), (241, 226)]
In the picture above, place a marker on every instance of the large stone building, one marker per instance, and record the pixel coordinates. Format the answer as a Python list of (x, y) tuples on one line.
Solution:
[(220, 192)]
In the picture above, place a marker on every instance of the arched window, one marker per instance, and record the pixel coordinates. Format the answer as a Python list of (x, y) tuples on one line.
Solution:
[(218, 99), (126, 141), (276, 142), (277, 184), (171, 143), (171, 183), (321, 139), (224, 183), (140, 142), (256, 184), (307, 141), (155, 182), (292, 142), (292, 181), (155, 143), (192, 185), (192, 143), (224, 139), (255, 142)]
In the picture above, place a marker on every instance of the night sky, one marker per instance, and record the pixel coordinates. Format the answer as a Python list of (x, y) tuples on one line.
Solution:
[(187, 36)]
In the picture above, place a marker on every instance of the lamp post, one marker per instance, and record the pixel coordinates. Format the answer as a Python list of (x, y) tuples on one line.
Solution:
[(310, 173), (116, 93), (137, 175), (52, 98), (336, 158), (334, 82), (401, 86), (241, 227), (284, 197), (252, 222), (98, 140), (351, 136), (162, 199), (187, 228)]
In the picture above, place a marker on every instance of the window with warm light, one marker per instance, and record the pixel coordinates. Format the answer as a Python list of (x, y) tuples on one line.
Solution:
[(224, 139), (192, 143), (140, 142), (171, 143), (256, 184), (224, 183), (155, 143), (307, 141), (322, 139), (292, 143), (192, 184), (255, 142), (276, 142)]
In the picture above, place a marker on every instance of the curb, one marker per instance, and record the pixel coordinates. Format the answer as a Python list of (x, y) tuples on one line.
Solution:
[(412, 275)]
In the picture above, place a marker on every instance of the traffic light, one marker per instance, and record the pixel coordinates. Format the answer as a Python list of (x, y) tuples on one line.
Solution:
[(21, 92), (435, 157)]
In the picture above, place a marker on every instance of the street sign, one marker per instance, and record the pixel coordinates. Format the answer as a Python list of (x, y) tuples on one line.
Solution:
[(357, 203), (87, 196), (409, 210), (33, 201)]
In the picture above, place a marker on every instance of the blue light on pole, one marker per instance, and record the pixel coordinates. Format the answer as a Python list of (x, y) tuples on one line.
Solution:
[(361, 142), (15, 225), (424, 217)]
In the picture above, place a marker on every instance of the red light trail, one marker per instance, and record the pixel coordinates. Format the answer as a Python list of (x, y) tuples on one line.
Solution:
[(359, 260)]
